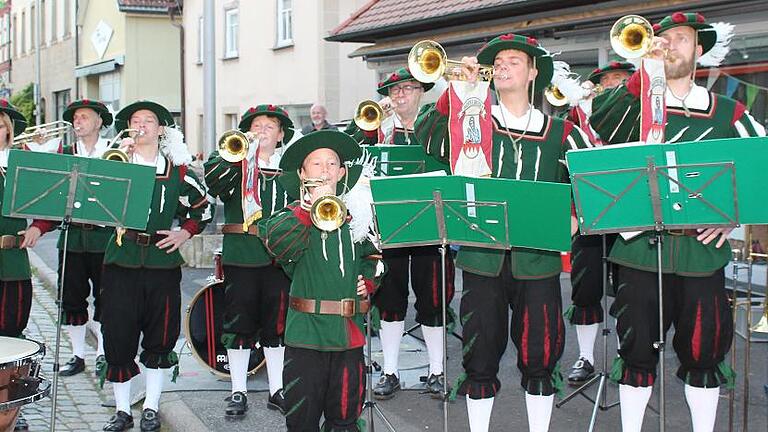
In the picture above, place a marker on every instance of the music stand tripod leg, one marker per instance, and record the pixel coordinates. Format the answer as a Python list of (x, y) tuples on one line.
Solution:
[(59, 301), (659, 344), (370, 404)]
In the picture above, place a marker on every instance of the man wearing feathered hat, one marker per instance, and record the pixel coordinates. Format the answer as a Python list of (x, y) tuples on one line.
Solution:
[(141, 284), (402, 100), (256, 293), (86, 242), (695, 299), (527, 145), (333, 274)]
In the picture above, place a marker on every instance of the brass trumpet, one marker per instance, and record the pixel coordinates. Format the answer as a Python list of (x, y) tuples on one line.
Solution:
[(428, 62), (328, 213), (556, 98), (631, 36), (369, 115), (233, 145), (115, 154), (46, 131)]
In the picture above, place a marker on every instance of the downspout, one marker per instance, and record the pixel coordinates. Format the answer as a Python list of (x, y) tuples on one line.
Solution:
[(182, 56)]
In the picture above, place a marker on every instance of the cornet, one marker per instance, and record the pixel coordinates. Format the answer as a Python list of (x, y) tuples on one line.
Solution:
[(115, 154), (46, 131), (428, 62), (328, 213)]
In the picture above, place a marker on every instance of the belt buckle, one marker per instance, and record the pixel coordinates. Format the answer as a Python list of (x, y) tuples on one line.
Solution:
[(677, 232), (7, 241), (143, 239), (348, 307)]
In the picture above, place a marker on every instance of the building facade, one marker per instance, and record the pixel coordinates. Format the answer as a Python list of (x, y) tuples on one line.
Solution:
[(5, 49), (272, 51)]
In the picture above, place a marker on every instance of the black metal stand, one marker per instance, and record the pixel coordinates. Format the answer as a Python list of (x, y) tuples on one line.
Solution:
[(601, 377), (659, 345), (370, 403)]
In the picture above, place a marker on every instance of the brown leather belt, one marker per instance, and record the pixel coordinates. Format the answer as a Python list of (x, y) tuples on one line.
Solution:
[(84, 226), (10, 241), (238, 229), (141, 238), (684, 232), (346, 307)]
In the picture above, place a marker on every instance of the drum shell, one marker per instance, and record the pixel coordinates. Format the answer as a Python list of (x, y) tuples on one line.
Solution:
[(20, 383)]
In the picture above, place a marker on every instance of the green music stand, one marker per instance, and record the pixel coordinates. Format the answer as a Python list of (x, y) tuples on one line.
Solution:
[(75, 189), (442, 210), (396, 160)]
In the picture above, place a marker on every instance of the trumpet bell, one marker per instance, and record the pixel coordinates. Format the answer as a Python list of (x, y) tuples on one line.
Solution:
[(631, 36), (555, 97), (369, 115), (328, 213), (427, 61), (233, 146), (115, 155)]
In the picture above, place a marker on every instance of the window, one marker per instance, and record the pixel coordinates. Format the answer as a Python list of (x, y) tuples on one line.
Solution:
[(200, 40), (67, 16), (231, 25), (284, 23), (109, 90), (33, 29), (230, 121), (23, 33), (62, 99), (43, 39), (54, 22)]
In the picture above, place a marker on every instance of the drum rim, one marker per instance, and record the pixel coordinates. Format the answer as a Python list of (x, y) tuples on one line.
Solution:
[(30, 359), (188, 331), (36, 396)]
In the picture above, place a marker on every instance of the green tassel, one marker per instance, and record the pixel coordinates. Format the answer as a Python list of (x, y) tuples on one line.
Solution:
[(728, 373), (455, 390), (375, 319), (228, 340), (361, 424), (557, 380), (466, 317), (101, 371), (452, 318), (617, 369), (568, 314), (173, 359)]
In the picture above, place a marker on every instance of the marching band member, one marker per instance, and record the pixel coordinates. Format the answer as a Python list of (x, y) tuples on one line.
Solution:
[(402, 96), (527, 145), (256, 293), (586, 312), (332, 275), (86, 242), (142, 269), (695, 299)]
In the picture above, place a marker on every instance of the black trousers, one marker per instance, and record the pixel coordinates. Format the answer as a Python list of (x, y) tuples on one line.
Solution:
[(83, 277), (587, 278), (139, 302), (422, 264), (321, 383), (536, 329), (15, 305), (256, 303)]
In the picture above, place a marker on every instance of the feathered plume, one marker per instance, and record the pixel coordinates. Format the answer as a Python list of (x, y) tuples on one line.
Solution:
[(567, 82), (359, 199), (717, 54), (172, 145)]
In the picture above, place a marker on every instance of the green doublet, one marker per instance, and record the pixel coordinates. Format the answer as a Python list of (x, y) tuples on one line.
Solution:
[(224, 180), (14, 263), (322, 268), (616, 119), (177, 194), (538, 155)]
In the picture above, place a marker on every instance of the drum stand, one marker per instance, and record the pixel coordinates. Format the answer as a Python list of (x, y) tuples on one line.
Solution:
[(602, 377), (370, 403)]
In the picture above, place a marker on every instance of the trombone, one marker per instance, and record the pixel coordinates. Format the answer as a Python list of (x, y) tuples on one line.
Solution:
[(428, 62), (328, 213), (114, 153), (46, 131)]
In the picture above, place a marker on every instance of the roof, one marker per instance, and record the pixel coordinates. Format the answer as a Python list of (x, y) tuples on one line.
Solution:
[(145, 6), (378, 16)]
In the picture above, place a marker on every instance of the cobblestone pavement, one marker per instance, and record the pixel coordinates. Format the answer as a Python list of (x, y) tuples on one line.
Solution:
[(79, 401)]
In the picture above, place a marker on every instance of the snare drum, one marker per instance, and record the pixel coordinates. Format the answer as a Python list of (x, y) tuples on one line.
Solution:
[(203, 323), (20, 362)]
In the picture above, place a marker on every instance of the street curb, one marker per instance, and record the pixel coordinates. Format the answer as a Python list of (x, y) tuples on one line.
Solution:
[(177, 416)]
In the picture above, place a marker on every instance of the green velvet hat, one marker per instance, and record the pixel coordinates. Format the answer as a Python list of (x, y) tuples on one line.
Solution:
[(595, 75), (706, 33), (398, 76), (18, 119), (344, 146), (271, 111), (529, 45), (123, 117), (98, 107)]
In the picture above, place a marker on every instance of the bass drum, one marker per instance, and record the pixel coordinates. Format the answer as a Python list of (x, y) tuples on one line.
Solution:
[(202, 325)]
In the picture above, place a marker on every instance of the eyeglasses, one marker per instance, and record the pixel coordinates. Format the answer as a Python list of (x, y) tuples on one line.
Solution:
[(406, 89)]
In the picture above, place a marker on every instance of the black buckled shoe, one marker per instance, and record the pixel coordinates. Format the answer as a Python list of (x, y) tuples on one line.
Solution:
[(435, 384), (149, 420), (581, 371), (387, 386), (238, 404), (21, 424), (119, 422), (74, 366), (277, 402)]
